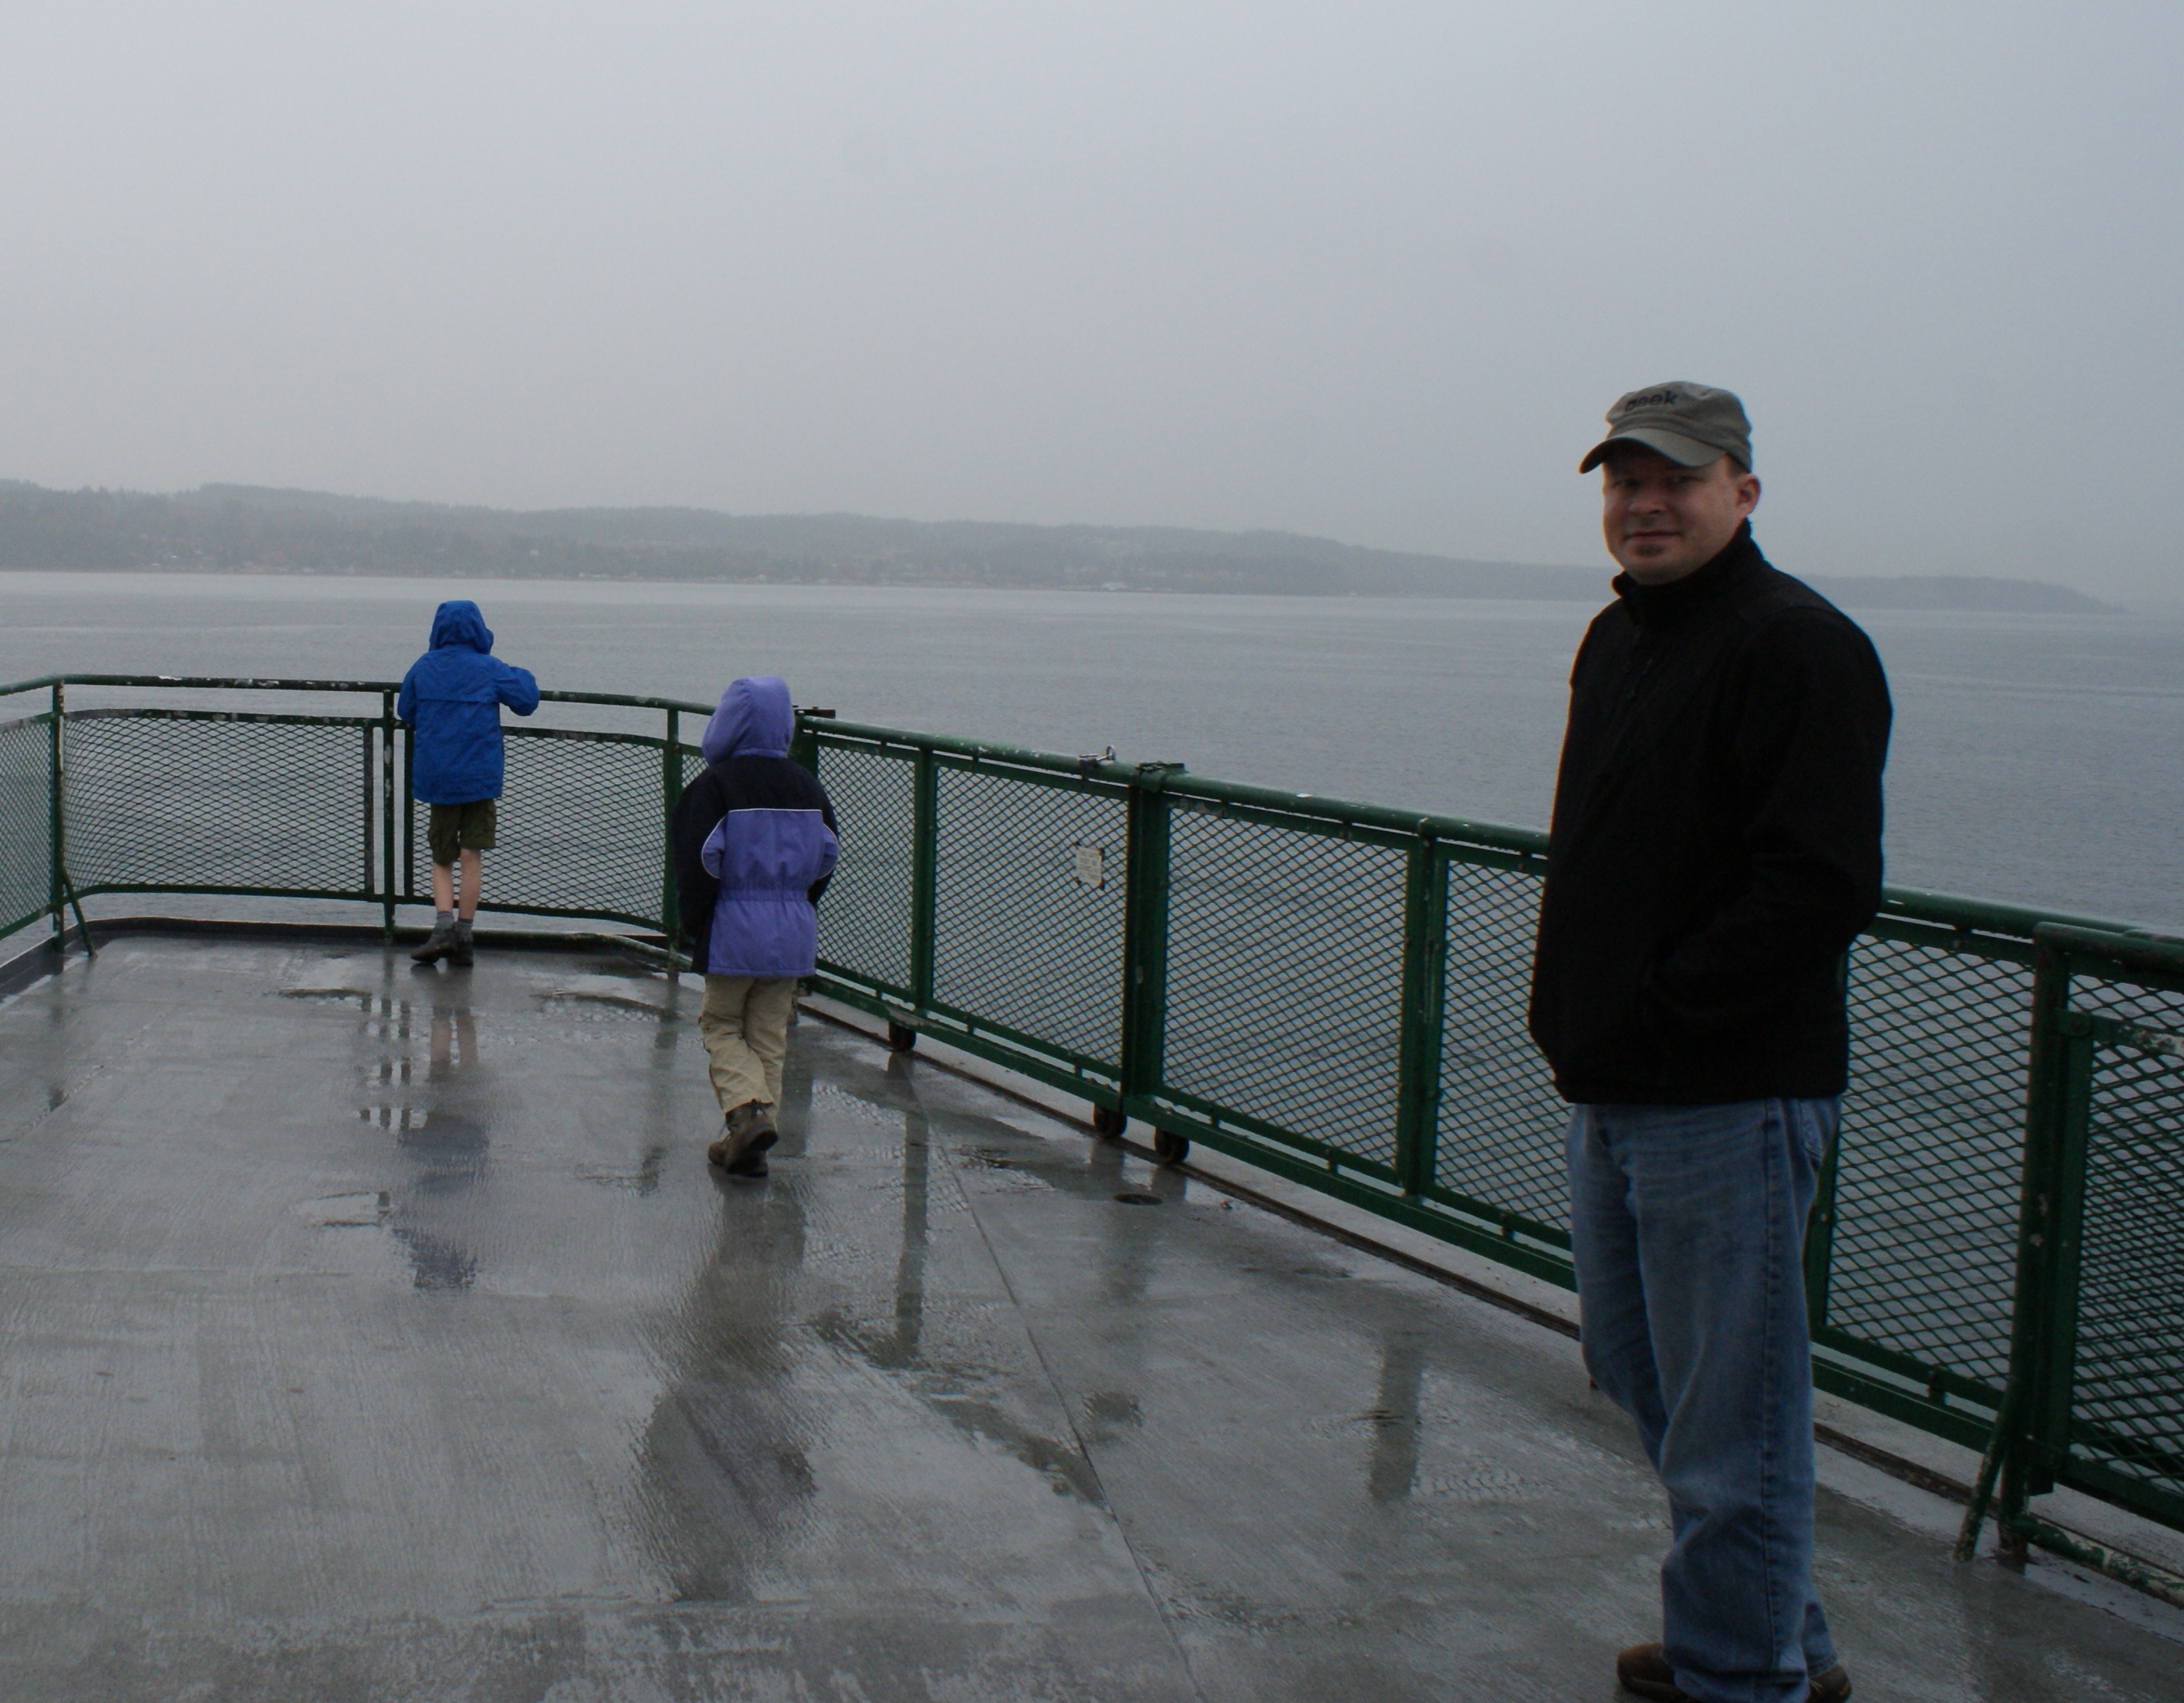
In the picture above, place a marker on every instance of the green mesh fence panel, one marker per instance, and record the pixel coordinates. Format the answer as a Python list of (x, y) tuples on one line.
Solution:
[(864, 919), (2127, 1407), (1929, 1155), (25, 819), (155, 801), (1284, 978), (1019, 938), (579, 827), (1501, 1122)]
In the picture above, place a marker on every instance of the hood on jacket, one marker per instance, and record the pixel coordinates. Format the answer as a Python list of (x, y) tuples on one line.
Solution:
[(754, 720), (458, 621)]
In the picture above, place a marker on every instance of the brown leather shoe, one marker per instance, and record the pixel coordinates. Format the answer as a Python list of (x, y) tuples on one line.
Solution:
[(1643, 1669), (747, 1132)]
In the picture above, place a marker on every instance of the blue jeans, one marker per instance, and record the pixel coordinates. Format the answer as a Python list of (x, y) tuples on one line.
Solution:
[(1688, 1227)]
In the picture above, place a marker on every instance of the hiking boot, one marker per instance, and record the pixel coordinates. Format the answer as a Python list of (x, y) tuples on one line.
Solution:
[(439, 945), (1643, 1669), (464, 955), (746, 1132)]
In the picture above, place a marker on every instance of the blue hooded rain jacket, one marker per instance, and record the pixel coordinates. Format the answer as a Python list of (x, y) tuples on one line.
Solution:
[(452, 696), (754, 841)]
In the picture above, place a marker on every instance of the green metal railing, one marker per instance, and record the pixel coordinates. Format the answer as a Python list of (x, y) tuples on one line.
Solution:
[(1333, 992), (2092, 1401), (166, 798)]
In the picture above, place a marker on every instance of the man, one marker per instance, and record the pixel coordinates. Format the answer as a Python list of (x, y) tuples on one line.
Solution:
[(452, 696), (1716, 847)]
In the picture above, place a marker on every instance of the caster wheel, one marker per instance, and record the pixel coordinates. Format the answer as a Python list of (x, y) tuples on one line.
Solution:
[(1169, 1148), (1108, 1123), (900, 1039)]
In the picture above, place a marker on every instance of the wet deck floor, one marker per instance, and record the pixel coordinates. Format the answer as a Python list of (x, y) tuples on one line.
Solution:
[(373, 1333)]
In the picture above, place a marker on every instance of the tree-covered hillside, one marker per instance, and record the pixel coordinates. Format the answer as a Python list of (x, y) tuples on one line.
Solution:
[(247, 529)]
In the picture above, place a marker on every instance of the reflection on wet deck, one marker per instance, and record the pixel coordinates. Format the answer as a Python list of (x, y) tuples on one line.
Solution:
[(373, 1333)]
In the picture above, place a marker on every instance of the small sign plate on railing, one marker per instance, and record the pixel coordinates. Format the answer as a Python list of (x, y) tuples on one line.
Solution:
[(1091, 865)]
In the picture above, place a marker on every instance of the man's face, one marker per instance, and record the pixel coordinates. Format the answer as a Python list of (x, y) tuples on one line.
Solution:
[(1663, 520)]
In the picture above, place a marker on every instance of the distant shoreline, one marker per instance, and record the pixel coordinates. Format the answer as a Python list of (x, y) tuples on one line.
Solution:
[(1835, 590), (254, 532)]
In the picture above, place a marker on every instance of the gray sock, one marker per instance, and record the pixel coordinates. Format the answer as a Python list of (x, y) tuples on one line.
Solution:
[(443, 920), (463, 926)]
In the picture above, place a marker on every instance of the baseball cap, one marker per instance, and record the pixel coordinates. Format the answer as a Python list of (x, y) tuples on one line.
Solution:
[(1691, 424)]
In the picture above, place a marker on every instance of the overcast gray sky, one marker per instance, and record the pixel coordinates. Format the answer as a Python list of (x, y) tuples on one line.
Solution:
[(1370, 270)]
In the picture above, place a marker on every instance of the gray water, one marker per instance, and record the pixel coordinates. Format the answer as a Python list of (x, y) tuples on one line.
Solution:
[(2038, 759)]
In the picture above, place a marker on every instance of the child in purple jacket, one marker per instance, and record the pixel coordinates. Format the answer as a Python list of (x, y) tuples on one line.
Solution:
[(753, 845)]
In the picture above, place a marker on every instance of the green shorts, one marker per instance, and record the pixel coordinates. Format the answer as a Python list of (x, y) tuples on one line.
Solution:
[(463, 827)]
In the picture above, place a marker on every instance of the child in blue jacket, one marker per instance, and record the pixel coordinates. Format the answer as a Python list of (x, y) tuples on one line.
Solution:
[(452, 696), (753, 842)]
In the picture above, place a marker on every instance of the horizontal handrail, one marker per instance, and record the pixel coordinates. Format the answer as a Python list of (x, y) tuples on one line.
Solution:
[(2163, 954), (267, 718), (1178, 782), (1959, 912), (196, 682), (1962, 912), (617, 701)]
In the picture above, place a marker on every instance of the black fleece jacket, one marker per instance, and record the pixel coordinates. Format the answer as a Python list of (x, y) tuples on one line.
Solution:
[(1716, 843)]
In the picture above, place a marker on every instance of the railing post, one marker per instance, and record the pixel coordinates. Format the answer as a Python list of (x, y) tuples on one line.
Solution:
[(57, 837), (803, 744), (1418, 1047), (671, 794), (2026, 1425), (386, 812), (1144, 937), (924, 874), (409, 810), (366, 810), (2056, 1324)]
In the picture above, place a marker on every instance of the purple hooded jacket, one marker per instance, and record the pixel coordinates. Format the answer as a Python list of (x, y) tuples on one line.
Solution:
[(754, 841)]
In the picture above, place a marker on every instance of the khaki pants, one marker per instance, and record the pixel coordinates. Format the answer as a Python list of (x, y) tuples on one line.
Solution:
[(745, 1023)]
